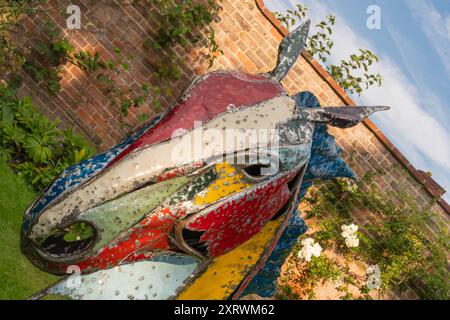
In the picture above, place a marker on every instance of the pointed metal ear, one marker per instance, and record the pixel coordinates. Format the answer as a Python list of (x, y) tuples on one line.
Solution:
[(290, 48), (342, 117)]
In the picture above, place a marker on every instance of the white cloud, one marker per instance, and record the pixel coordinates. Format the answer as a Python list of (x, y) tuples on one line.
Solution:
[(419, 135), (416, 131), (435, 25)]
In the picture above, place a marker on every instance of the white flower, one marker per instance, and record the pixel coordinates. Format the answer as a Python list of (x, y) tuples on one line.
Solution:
[(316, 250), (352, 241), (309, 249), (374, 282), (373, 269), (348, 231), (304, 254), (353, 228), (373, 277), (308, 242)]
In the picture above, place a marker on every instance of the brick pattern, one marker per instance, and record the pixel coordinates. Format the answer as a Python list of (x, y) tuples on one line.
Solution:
[(365, 146), (249, 36), (83, 102)]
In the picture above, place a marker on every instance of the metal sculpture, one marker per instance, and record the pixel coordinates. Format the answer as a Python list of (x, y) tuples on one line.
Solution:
[(160, 220)]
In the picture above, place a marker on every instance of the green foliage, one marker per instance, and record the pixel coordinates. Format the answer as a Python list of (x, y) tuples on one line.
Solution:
[(321, 269), (88, 61), (344, 73), (290, 18), (320, 43), (183, 22), (53, 50), (108, 72), (79, 231), (11, 58), (19, 279), (35, 147), (43, 53), (318, 270), (180, 21), (353, 74), (397, 242)]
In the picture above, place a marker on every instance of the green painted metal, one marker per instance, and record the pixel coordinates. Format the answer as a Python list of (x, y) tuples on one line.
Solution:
[(117, 216)]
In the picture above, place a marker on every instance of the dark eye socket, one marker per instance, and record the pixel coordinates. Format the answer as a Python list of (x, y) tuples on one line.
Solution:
[(70, 242), (257, 172)]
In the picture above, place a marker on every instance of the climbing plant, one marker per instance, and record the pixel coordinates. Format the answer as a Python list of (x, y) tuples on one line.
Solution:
[(397, 241), (352, 74), (42, 53), (34, 145)]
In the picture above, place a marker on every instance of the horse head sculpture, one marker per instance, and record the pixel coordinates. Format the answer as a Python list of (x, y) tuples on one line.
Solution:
[(210, 186)]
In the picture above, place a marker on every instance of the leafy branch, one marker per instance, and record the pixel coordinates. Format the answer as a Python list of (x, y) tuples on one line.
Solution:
[(47, 50), (352, 74)]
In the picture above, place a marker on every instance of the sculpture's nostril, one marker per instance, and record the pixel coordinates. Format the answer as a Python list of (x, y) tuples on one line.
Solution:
[(70, 242)]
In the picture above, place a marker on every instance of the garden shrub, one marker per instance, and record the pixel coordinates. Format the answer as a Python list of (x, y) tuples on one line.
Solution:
[(397, 242), (33, 145)]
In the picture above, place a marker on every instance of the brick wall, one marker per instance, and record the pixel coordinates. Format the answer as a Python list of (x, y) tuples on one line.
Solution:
[(249, 37), (364, 147)]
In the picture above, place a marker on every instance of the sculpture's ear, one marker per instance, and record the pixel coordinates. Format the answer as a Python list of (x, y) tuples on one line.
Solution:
[(342, 117), (290, 48)]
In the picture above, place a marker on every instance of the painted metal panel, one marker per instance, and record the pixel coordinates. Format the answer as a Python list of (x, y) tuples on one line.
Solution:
[(159, 209), (157, 279)]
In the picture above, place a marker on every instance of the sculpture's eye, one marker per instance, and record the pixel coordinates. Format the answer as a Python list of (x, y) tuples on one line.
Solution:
[(261, 170), (256, 171), (68, 242)]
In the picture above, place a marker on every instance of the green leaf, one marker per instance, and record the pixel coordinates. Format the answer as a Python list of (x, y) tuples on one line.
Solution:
[(144, 88), (124, 106), (79, 155), (37, 149), (142, 117)]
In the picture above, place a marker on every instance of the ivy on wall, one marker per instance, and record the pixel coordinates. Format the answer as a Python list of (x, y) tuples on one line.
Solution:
[(43, 53), (32, 144)]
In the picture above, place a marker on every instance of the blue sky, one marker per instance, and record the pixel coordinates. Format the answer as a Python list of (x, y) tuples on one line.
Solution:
[(414, 47)]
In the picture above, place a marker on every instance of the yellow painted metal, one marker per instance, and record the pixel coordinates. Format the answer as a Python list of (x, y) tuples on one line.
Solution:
[(226, 272), (229, 181)]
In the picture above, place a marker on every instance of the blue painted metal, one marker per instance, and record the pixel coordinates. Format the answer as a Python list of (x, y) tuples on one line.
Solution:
[(75, 175), (325, 163)]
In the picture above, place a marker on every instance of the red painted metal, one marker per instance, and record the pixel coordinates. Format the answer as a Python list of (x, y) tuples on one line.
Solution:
[(225, 227), (207, 99), (149, 234), (238, 220)]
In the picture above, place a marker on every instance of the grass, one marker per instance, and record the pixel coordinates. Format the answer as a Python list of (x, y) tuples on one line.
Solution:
[(18, 277)]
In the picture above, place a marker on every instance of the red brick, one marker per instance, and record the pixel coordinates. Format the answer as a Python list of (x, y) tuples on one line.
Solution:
[(249, 36)]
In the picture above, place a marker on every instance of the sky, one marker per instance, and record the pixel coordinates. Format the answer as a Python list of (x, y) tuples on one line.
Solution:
[(413, 45)]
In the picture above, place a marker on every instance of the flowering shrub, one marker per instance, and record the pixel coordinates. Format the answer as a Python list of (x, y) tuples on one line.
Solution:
[(349, 234), (396, 241), (373, 277), (310, 249)]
